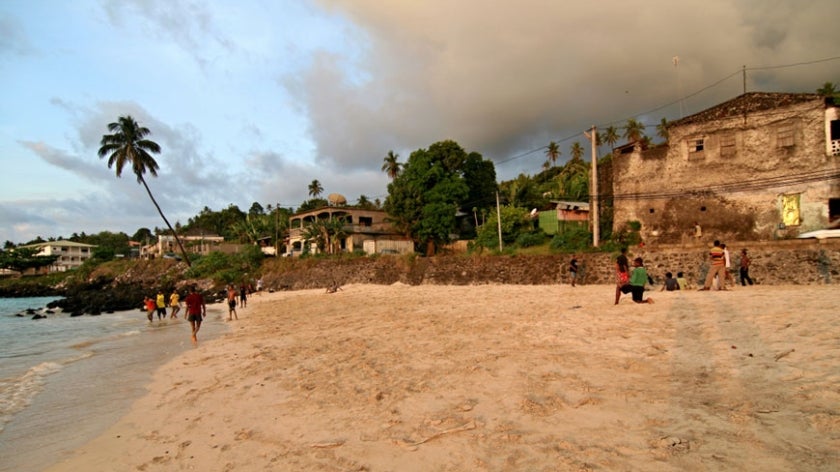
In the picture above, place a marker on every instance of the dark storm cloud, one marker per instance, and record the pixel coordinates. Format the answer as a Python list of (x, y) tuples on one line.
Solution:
[(507, 77)]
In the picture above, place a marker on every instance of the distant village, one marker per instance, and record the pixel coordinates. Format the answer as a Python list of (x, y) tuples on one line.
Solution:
[(761, 166)]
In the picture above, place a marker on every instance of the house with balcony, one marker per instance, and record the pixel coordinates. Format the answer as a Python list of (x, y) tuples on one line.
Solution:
[(70, 254), (195, 242), (761, 166), (360, 230)]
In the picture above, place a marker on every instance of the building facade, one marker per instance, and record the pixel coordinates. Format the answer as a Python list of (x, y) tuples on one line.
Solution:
[(762, 166), (70, 254), (360, 230)]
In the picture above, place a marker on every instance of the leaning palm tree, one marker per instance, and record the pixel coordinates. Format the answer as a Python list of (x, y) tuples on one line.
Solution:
[(553, 152), (391, 165), (127, 144), (315, 189)]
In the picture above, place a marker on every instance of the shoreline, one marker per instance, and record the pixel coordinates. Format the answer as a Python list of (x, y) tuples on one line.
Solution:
[(496, 377), (93, 385)]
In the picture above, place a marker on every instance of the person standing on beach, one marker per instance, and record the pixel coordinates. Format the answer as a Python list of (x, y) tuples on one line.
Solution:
[(196, 311), (175, 304), (716, 269), (231, 300), (573, 269), (744, 270), (243, 296), (698, 231), (728, 264), (622, 274)]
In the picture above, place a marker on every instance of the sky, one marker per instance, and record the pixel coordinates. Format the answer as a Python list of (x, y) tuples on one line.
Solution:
[(252, 100)]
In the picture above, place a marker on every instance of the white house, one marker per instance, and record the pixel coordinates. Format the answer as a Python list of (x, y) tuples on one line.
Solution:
[(70, 254)]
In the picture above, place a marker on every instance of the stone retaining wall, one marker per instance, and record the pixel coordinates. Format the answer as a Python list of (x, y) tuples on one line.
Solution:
[(773, 263)]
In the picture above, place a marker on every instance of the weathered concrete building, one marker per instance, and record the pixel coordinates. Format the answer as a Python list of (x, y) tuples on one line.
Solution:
[(759, 167)]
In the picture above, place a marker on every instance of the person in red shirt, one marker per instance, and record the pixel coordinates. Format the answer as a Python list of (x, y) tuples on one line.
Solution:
[(196, 311), (149, 305)]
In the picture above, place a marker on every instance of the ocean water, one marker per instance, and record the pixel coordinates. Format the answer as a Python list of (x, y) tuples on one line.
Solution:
[(64, 381)]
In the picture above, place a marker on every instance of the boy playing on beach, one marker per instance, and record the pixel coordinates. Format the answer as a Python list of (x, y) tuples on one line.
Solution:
[(196, 311), (149, 304), (638, 279), (671, 283), (161, 305), (573, 270), (175, 303), (682, 281)]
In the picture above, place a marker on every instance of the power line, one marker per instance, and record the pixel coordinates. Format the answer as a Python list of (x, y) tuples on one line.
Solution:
[(695, 93)]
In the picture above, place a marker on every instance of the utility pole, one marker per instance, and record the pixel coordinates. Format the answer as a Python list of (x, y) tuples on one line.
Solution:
[(593, 194), (499, 221), (744, 77)]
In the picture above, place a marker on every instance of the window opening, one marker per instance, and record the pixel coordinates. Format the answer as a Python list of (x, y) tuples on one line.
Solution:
[(727, 145), (784, 137)]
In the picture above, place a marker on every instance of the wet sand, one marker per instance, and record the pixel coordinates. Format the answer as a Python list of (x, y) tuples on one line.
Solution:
[(497, 377)]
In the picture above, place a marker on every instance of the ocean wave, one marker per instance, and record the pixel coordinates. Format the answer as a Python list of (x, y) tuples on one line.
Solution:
[(16, 393)]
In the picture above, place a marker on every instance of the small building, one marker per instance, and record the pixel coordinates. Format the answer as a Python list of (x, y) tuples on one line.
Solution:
[(360, 230), (70, 254), (197, 242), (565, 213)]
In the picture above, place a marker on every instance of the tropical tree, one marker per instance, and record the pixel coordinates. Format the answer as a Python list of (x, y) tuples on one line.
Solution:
[(423, 200), (573, 181), (391, 166), (577, 151), (828, 89), (127, 144), (611, 136), (22, 258), (662, 129), (553, 152), (634, 131), (315, 189)]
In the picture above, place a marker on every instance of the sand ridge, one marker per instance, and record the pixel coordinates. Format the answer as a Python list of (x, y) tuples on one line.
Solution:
[(497, 377)]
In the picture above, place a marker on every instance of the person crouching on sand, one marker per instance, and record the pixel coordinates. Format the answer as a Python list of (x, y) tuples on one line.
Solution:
[(638, 279), (196, 311)]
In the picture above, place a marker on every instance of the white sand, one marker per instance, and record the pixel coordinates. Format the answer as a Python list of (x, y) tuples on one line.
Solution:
[(498, 377)]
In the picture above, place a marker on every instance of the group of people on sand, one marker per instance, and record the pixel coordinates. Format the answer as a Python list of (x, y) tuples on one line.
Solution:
[(633, 280), (196, 308)]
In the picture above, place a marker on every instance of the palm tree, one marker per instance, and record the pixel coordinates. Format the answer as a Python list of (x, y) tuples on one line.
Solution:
[(662, 129), (634, 130), (611, 136), (828, 89), (553, 152), (128, 145), (391, 165), (315, 189), (577, 151)]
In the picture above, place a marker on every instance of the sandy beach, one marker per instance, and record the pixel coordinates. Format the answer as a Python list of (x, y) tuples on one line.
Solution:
[(497, 377)]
